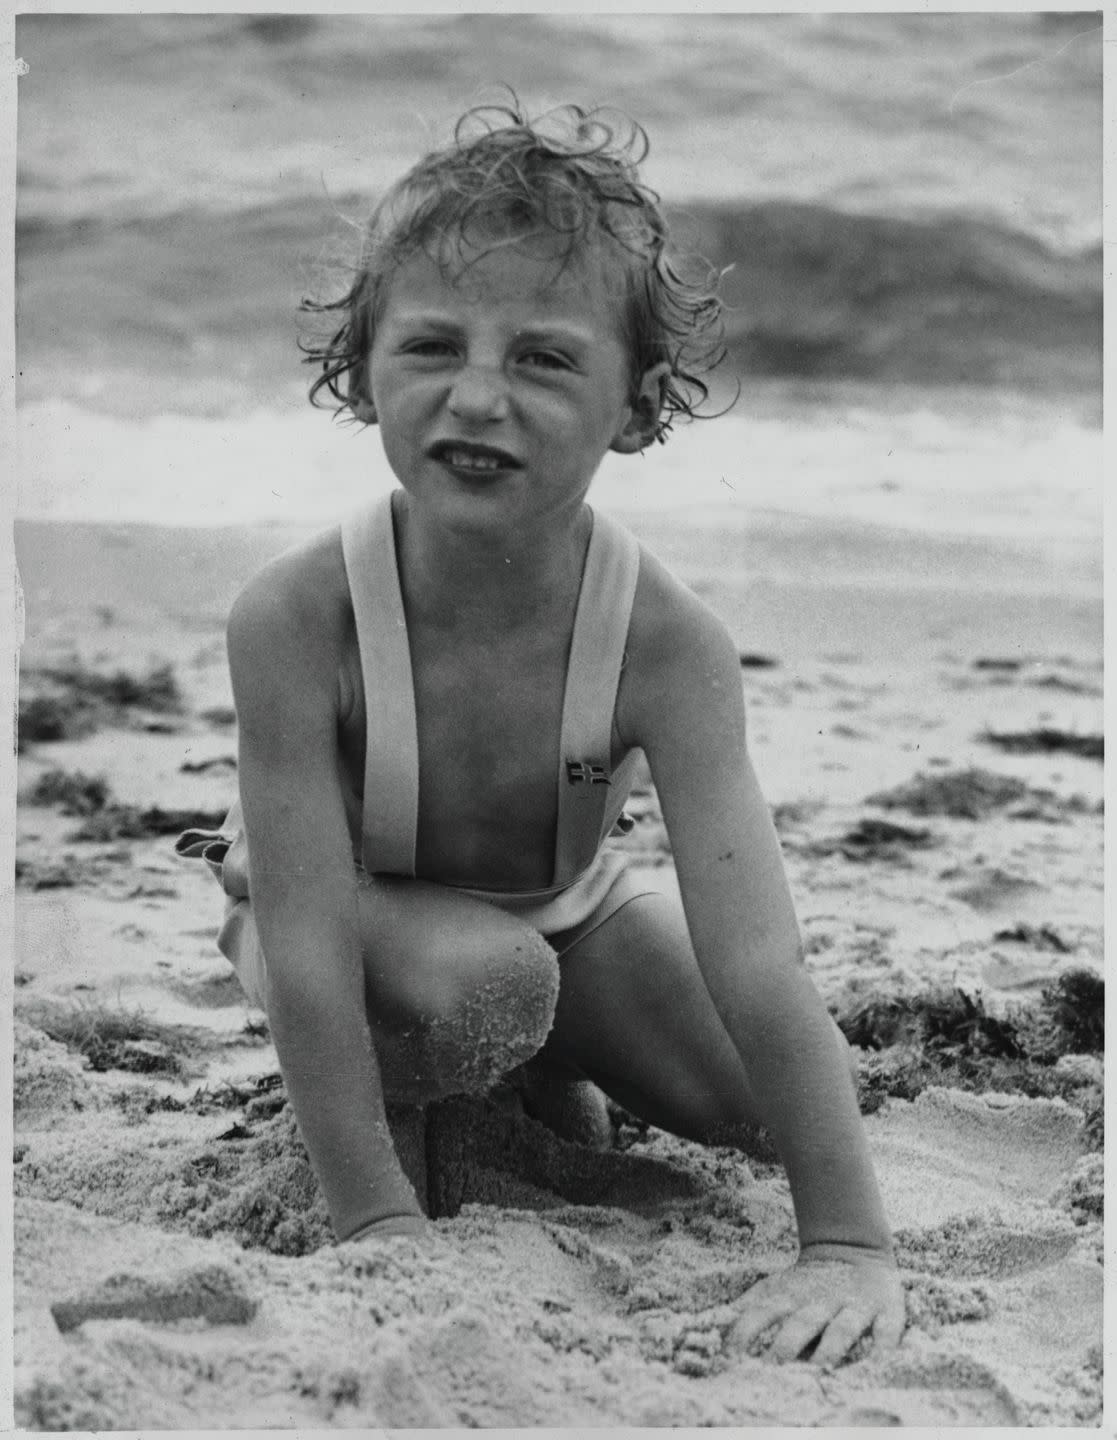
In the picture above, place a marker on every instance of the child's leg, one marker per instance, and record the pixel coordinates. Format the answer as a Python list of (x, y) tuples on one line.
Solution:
[(458, 992), (634, 1015), (561, 1098)]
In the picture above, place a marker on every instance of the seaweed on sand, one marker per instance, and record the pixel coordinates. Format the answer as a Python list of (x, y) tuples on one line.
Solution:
[(89, 797), (1046, 740), (1043, 937), (261, 1097), (73, 701), (142, 822), (874, 839), (1075, 1002), (959, 794), (946, 1037), (943, 1020), (71, 791), (158, 690), (53, 875), (116, 1038), (53, 717)]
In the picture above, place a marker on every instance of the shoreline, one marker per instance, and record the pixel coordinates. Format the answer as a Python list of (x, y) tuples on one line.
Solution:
[(792, 585)]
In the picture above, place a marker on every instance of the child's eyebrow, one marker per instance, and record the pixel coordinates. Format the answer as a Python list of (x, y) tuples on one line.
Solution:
[(552, 334), (429, 319)]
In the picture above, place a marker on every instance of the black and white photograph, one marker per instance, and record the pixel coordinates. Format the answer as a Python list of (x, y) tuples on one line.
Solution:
[(558, 747)]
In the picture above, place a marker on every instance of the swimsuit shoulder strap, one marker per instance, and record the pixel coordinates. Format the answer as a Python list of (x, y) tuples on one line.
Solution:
[(391, 799), (590, 794)]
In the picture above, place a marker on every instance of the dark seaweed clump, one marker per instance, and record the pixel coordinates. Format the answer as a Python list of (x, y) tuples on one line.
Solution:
[(63, 872), (947, 1037), (71, 791), (73, 701), (116, 1039), (1076, 1002), (90, 797), (959, 794), (875, 839), (944, 1021), (1040, 937), (142, 822), (1046, 740)]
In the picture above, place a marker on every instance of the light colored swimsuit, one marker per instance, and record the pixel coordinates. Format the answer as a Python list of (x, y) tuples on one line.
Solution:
[(590, 881)]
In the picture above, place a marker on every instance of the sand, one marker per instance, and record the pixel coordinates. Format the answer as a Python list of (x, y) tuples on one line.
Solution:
[(174, 1268)]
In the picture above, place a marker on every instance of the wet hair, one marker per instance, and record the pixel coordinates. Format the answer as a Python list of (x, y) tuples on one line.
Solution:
[(572, 174)]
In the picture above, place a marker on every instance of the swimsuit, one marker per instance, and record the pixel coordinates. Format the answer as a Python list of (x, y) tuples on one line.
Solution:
[(590, 881)]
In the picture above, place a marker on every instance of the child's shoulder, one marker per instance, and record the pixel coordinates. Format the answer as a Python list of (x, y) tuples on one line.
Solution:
[(669, 619), (294, 613), (302, 584), (677, 649)]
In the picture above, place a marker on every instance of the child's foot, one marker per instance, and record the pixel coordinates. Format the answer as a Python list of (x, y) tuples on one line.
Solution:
[(573, 1108)]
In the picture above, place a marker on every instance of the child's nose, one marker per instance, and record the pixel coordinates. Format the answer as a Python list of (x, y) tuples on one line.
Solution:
[(479, 392)]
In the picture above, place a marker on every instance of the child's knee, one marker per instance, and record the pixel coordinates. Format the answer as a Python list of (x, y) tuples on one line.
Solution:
[(454, 1006), (466, 975), (498, 1022)]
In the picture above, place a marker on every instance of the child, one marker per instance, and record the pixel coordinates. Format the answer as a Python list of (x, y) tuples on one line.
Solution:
[(441, 704)]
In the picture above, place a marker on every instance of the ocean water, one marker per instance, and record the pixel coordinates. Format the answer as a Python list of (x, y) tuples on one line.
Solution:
[(910, 204)]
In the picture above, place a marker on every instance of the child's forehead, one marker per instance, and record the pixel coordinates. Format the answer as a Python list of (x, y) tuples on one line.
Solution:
[(539, 268)]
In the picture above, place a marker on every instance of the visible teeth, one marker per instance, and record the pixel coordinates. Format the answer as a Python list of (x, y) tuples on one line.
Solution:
[(462, 460)]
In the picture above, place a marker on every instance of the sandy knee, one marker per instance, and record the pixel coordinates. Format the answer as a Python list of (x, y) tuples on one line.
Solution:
[(458, 993), (499, 1022)]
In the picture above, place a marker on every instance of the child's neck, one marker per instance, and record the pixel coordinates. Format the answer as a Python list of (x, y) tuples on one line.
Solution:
[(452, 578)]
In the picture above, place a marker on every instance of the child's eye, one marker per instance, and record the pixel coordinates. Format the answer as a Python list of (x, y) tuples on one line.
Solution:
[(546, 360), (428, 349)]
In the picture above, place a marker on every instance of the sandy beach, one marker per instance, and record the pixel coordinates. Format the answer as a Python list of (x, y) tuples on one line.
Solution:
[(931, 753), (900, 523)]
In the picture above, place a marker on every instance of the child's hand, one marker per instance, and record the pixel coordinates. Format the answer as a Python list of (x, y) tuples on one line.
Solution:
[(834, 1301)]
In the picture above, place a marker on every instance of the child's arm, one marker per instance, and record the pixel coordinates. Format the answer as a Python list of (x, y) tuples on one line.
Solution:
[(304, 898), (685, 708)]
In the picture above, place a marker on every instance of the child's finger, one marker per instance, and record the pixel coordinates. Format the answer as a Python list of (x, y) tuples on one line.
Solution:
[(801, 1328), (753, 1322), (888, 1329), (842, 1334)]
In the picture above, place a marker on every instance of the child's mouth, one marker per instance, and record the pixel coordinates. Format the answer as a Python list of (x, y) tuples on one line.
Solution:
[(473, 459)]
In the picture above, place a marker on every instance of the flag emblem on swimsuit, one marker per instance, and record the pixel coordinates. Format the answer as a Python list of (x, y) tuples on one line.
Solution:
[(583, 772)]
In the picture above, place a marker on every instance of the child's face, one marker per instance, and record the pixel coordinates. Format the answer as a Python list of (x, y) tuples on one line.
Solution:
[(500, 384)]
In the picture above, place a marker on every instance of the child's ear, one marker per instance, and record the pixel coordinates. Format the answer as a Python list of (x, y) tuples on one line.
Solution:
[(639, 428), (360, 401)]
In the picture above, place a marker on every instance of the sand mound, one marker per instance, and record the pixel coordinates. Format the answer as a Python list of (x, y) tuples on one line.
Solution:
[(188, 1173), (588, 1288), (48, 1083)]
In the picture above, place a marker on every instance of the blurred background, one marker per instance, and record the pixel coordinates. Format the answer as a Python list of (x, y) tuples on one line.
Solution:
[(910, 204)]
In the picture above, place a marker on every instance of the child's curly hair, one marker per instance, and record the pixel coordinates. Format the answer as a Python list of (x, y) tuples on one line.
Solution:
[(573, 174)]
